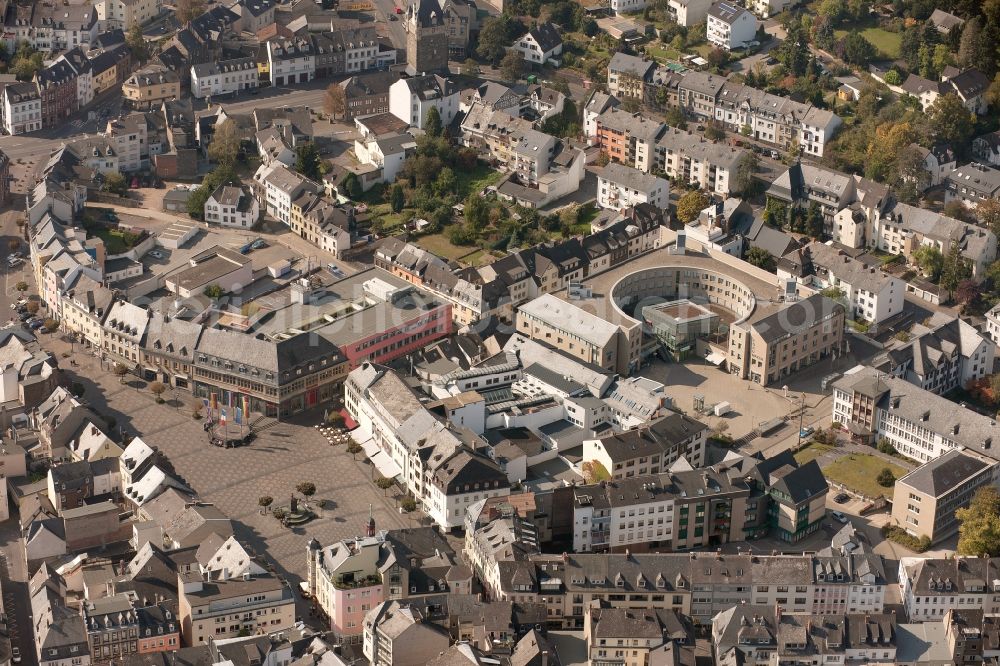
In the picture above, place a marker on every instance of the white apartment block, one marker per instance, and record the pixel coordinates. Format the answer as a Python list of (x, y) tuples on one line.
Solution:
[(130, 139), (627, 6), (620, 186), (223, 77), (993, 324), (125, 13), (689, 158), (291, 62), (921, 425), (930, 587), (540, 45), (688, 12), (410, 99), (231, 206), (768, 8), (399, 434), (22, 108), (730, 26), (278, 186)]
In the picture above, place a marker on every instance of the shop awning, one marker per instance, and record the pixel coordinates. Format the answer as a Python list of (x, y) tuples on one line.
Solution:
[(349, 423), (385, 465), (715, 358), (361, 435), (370, 447)]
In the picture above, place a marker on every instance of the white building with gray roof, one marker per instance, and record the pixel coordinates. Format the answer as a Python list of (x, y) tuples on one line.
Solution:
[(620, 187)]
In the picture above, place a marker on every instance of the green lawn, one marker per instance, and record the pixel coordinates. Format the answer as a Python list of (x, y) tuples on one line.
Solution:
[(115, 240), (441, 246), (885, 41), (477, 258), (661, 52), (811, 451), (470, 182), (858, 472)]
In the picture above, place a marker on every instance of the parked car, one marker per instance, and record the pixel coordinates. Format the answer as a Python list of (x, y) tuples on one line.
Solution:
[(258, 244), (156, 254), (806, 432), (37, 324), (15, 654), (25, 316), (839, 517), (841, 498)]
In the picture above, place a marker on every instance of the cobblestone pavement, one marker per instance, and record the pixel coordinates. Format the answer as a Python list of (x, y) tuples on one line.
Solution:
[(233, 479)]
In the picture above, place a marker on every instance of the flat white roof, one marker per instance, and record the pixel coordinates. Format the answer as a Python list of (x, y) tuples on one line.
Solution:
[(565, 316)]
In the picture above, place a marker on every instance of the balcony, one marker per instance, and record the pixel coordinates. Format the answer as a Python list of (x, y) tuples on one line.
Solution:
[(348, 582)]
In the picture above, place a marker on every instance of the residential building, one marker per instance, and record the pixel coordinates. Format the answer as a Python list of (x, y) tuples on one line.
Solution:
[(629, 138), (920, 425), (278, 186), (943, 354), (986, 149), (690, 159), (323, 222), (925, 500), (232, 206), (57, 90), (223, 77), (770, 118), (971, 184), (932, 587), (944, 21), (650, 449), (410, 99), (782, 343), (119, 626), (629, 75), (399, 435), (367, 94), (123, 14), (348, 50), (461, 18), (993, 324), (168, 350), (22, 108), (397, 634), (688, 12), (254, 14), (50, 27), (130, 138), (151, 86), (619, 187), (869, 293), (768, 8), (730, 26), (541, 45), (387, 152), (596, 104), (427, 39), (291, 61), (214, 608), (649, 635), (627, 6), (571, 329)]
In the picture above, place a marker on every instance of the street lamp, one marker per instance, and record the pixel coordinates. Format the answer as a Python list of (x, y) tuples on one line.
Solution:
[(802, 411)]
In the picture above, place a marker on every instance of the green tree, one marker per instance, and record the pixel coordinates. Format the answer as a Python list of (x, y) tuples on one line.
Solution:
[(470, 67), (397, 198), (512, 66), (476, 211), (690, 205), (885, 478), (814, 220), (384, 483), (226, 142), (979, 524), (21, 286), (214, 291), (408, 504), (120, 370), (115, 183), (760, 258), (265, 501), (743, 180), (930, 261), (188, 10), (954, 269), (308, 162), (26, 63), (306, 488), (50, 324), (493, 42), (857, 50), (158, 389), (893, 78), (335, 100), (885, 446), (352, 186), (137, 43), (432, 122), (950, 122), (988, 214), (219, 176), (675, 118)]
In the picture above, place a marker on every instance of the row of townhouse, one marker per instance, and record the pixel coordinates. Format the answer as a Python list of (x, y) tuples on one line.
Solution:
[(498, 289), (49, 27), (861, 213), (700, 585), (64, 87), (651, 147), (931, 587), (736, 500), (868, 292), (437, 464), (332, 53), (763, 116)]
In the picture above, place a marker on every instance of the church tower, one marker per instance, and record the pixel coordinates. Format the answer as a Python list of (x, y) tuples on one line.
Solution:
[(426, 38)]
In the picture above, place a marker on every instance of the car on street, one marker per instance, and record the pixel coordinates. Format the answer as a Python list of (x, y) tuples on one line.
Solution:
[(258, 244), (26, 317), (392, 17), (806, 432), (156, 254), (15, 654), (841, 498), (37, 324), (839, 517)]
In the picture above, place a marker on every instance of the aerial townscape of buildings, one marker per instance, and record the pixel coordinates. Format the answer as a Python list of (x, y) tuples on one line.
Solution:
[(499, 333)]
